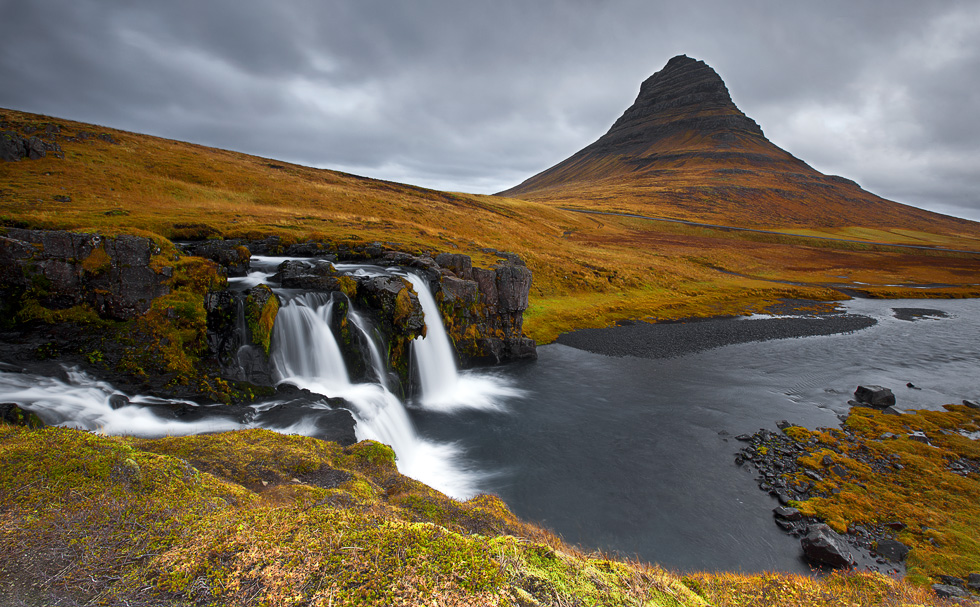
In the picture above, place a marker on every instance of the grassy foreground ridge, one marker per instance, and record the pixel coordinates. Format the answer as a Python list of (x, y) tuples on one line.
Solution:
[(257, 518)]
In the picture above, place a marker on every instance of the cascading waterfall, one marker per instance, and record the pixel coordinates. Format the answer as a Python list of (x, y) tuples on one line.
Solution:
[(443, 387), (377, 363), (306, 354)]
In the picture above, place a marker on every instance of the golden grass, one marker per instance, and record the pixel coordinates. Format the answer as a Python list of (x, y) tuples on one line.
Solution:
[(589, 271), (938, 506), (254, 517)]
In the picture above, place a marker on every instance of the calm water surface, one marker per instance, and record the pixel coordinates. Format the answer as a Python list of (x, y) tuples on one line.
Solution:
[(636, 456)]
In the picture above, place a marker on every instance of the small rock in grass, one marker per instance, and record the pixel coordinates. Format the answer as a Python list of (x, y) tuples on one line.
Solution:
[(950, 592), (952, 580)]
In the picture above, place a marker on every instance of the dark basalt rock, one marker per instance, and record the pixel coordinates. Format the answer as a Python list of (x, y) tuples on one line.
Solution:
[(823, 546), (952, 580), (483, 309), (876, 396), (14, 147), (63, 269), (15, 415), (311, 275), (946, 591), (789, 514)]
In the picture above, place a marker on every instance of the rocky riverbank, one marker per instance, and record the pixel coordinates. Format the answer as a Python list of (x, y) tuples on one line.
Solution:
[(888, 491)]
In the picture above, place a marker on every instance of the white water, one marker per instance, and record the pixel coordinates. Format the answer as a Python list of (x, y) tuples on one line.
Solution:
[(443, 387), (83, 402), (306, 355)]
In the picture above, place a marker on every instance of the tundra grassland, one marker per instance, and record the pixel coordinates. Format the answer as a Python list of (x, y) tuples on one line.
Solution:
[(589, 271)]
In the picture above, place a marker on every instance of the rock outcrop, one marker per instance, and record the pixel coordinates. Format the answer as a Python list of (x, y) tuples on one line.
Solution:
[(14, 147), (64, 269), (483, 309), (229, 254)]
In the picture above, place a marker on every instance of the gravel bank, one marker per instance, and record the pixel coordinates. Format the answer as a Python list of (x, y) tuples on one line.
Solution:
[(666, 340)]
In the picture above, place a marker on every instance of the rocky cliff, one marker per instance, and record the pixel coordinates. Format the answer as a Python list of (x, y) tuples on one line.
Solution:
[(166, 317)]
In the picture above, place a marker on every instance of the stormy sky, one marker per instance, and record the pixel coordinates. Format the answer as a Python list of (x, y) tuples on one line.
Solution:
[(477, 96)]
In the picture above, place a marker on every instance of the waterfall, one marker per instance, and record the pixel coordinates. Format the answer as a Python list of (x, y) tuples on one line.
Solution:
[(434, 353), (363, 326), (306, 354), (443, 387)]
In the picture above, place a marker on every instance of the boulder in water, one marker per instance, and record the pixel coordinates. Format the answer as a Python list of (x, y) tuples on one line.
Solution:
[(876, 396)]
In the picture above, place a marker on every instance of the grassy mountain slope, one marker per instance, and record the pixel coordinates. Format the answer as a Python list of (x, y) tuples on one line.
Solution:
[(588, 270)]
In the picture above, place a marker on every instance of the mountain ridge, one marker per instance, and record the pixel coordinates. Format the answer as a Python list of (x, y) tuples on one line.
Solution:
[(684, 150)]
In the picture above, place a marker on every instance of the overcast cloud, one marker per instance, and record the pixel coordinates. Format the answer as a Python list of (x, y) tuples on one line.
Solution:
[(478, 96)]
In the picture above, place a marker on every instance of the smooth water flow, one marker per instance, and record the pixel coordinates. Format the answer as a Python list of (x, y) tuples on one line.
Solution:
[(306, 354), (434, 354), (363, 326)]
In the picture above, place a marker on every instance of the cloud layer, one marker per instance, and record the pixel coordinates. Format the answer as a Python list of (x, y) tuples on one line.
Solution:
[(478, 96)]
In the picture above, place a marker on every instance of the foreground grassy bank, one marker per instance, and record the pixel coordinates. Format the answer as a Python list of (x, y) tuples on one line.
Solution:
[(589, 271), (258, 518)]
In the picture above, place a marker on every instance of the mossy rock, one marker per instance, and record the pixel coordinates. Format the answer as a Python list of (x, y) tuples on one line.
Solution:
[(15, 415)]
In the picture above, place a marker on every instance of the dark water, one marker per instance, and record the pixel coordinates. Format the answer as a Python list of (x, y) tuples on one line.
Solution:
[(636, 455)]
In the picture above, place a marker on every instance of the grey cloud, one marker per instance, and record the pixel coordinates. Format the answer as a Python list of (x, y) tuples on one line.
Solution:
[(477, 96)]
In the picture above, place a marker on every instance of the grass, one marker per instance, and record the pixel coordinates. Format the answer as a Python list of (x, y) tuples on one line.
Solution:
[(255, 517), (631, 268), (911, 482)]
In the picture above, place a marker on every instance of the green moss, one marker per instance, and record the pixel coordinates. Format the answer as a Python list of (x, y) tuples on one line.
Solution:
[(239, 518), (31, 310), (171, 336), (262, 320)]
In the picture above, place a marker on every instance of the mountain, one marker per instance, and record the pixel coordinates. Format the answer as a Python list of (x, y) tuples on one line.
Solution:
[(683, 150)]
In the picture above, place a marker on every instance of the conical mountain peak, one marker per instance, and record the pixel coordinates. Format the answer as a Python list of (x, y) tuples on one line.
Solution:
[(684, 150), (686, 95)]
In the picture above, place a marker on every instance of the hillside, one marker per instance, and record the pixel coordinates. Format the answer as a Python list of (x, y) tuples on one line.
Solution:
[(683, 150), (589, 271)]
